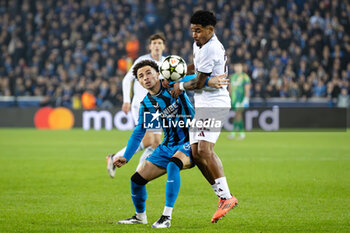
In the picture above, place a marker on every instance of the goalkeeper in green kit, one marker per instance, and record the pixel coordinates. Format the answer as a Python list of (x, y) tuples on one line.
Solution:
[(239, 90)]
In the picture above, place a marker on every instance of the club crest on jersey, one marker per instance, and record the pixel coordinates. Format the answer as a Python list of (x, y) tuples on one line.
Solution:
[(187, 147)]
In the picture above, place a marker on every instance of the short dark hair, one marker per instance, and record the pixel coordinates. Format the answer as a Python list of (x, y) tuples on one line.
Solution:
[(203, 18), (142, 64), (156, 37)]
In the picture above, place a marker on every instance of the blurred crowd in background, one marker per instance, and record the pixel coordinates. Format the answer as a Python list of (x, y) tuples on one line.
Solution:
[(79, 51)]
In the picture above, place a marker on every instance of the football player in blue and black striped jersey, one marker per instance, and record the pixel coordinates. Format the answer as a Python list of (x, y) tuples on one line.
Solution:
[(158, 111)]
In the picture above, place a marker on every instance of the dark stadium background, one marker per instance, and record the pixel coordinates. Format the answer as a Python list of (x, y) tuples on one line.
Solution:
[(53, 51)]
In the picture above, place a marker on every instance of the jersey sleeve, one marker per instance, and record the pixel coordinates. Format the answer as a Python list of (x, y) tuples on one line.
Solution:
[(185, 79), (129, 77), (207, 60), (232, 78), (136, 137), (246, 79)]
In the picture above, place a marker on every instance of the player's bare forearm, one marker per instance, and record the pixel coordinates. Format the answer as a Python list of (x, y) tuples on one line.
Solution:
[(246, 90), (165, 84), (190, 69), (196, 83), (126, 107), (191, 84)]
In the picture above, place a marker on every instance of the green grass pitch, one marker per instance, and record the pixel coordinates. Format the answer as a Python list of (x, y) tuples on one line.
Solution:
[(56, 181)]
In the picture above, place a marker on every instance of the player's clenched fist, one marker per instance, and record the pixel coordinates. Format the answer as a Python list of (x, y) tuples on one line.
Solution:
[(175, 92), (126, 107), (119, 161), (165, 84)]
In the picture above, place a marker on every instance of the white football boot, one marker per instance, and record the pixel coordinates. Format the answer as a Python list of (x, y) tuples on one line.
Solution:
[(110, 166), (163, 222), (136, 219)]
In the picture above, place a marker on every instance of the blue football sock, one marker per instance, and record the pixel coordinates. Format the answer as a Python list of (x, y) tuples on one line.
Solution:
[(172, 185), (139, 196)]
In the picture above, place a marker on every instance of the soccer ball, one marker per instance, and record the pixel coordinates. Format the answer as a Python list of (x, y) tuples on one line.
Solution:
[(173, 68)]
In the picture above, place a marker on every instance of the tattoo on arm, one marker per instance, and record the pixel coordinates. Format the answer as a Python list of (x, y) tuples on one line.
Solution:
[(191, 84), (196, 83), (190, 69)]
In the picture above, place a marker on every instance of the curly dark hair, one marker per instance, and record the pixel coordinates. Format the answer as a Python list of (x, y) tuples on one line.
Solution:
[(142, 64), (203, 18)]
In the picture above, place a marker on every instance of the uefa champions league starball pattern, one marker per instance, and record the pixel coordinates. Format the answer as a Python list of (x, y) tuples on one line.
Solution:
[(173, 68)]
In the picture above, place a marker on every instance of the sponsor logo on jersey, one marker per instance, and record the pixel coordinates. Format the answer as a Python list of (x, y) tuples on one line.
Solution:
[(170, 110)]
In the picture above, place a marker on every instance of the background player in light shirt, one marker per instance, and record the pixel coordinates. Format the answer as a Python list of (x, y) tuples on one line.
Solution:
[(209, 61), (151, 139), (239, 90)]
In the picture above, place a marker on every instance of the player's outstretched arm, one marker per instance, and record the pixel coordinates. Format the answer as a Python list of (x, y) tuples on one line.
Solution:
[(193, 84), (246, 95), (126, 107), (126, 92), (131, 147), (216, 82), (127, 80), (190, 69), (136, 137), (165, 84), (219, 81), (196, 83)]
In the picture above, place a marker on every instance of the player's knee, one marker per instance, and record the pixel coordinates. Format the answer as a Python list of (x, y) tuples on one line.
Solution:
[(147, 143), (203, 152), (148, 140), (177, 162), (154, 144), (156, 141), (138, 179)]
